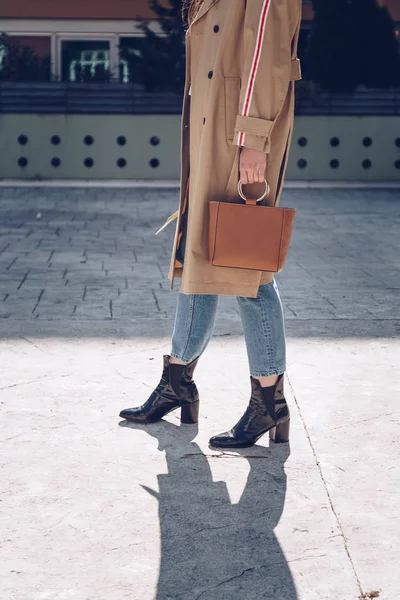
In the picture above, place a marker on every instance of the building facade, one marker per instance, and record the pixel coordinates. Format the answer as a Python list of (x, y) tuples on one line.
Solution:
[(96, 37), (79, 37), (58, 131)]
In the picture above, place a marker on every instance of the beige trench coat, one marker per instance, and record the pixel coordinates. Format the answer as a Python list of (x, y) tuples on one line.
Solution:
[(241, 64)]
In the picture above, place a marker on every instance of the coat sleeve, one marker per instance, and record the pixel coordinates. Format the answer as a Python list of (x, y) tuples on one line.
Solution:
[(267, 70)]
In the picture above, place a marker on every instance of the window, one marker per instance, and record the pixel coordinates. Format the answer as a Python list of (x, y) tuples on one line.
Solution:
[(130, 51), (3, 54), (25, 58), (84, 60)]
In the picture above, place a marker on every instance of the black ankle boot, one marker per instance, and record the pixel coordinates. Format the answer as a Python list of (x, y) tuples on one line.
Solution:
[(267, 411), (176, 389)]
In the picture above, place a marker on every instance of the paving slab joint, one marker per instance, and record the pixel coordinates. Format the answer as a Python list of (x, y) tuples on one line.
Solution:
[(339, 525)]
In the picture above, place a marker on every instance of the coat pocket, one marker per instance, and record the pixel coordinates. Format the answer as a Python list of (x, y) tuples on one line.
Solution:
[(232, 98)]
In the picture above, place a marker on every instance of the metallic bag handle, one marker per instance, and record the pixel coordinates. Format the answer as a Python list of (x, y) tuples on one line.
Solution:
[(261, 198)]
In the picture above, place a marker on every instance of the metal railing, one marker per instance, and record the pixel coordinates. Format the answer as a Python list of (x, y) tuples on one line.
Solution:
[(84, 98), (363, 102), (119, 98)]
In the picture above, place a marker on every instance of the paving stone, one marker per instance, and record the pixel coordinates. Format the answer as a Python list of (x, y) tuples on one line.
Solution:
[(93, 510)]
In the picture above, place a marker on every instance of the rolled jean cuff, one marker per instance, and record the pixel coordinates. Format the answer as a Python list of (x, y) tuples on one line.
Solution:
[(182, 358), (270, 373)]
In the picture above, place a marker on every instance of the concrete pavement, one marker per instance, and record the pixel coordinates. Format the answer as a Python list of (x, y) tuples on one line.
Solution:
[(93, 509)]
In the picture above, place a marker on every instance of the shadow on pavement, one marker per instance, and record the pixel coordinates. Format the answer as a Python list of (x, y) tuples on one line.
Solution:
[(211, 548)]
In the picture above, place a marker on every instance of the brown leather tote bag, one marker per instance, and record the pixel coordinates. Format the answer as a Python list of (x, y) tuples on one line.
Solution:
[(248, 235)]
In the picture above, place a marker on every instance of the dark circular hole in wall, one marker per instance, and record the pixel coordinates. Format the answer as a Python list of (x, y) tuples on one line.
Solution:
[(302, 163), (88, 162), (22, 161)]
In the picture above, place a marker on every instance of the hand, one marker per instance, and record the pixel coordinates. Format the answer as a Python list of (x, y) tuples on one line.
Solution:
[(252, 165)]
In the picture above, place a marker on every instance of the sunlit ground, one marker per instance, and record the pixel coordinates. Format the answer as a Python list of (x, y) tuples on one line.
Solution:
[(93, 508)]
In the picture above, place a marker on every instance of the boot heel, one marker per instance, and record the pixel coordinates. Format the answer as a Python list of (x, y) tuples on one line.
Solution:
[(190, 413), (280, 433)]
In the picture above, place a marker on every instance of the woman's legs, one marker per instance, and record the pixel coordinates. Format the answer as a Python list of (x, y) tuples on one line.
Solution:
[(194, 325), (194, 318), (264, 332), (263, 326)]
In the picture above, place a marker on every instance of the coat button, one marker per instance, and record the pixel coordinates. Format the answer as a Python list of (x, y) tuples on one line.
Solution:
[(216, 28), (204, 121), (210, 74)]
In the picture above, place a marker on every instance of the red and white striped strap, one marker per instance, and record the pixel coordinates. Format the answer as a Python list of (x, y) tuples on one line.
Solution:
[(254, 66)]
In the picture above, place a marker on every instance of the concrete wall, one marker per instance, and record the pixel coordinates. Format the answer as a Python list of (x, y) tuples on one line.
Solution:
[(72, 151), (346, 148), (323, 148)]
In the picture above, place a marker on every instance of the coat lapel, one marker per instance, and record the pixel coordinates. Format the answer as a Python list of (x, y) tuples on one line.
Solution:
[(205, 7)]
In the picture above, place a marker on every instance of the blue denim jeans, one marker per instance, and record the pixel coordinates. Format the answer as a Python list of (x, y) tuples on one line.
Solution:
[(263, 326)]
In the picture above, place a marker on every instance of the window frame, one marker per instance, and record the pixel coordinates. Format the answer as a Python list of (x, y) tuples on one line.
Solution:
[(112, 39)]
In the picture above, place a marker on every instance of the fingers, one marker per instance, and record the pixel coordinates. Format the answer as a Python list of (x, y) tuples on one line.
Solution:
[(243, 177), (249, 177), (252, 166), (252, 175)]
